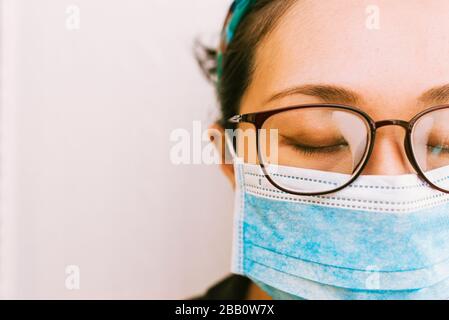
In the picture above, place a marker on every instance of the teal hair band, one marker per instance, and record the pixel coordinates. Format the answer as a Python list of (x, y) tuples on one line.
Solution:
[(237, 12)]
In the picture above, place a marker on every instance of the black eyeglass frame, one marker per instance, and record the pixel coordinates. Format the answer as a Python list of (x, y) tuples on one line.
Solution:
[(258, 119)]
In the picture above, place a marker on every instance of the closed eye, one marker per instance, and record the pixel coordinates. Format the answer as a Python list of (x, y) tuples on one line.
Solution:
[(315, 149), (437, 150)]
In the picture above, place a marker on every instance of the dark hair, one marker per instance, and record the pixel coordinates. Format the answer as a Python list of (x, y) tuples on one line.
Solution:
[(238, 59)]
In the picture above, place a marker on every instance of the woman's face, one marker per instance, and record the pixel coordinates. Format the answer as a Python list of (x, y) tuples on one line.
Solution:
[(391, 66)]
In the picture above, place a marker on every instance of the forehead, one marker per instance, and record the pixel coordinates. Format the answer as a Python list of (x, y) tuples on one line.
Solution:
[(387, 51)]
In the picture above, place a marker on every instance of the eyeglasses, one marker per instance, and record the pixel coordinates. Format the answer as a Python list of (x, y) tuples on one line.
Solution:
[(340, 139)]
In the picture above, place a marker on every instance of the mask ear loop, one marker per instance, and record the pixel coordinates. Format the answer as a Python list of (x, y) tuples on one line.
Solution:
[(239, 203)]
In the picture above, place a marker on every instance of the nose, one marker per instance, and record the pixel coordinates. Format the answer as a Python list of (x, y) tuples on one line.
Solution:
[(389, 156)]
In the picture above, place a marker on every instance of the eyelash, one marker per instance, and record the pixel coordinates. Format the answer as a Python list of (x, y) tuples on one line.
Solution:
[(442, 150), (306, 150), (332, 149)]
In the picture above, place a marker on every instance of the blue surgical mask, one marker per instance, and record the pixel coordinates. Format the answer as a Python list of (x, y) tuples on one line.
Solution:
[(383, 237)]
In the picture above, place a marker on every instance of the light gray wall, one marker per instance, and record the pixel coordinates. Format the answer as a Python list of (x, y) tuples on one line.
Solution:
[(86, 174)]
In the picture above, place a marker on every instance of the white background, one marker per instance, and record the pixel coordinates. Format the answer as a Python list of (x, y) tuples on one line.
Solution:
[(86, 177)]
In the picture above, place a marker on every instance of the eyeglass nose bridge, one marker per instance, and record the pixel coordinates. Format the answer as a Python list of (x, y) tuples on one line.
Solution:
[(407, 143), (393, 122)]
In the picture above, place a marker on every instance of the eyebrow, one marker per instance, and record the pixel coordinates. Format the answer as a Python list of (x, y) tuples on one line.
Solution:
[(337, 94), (436, 95), (327, 93)]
